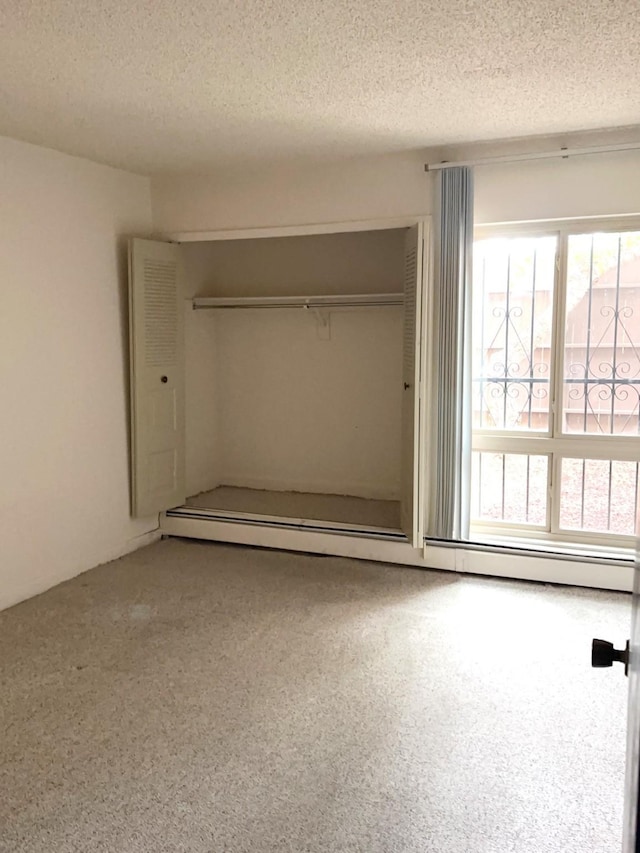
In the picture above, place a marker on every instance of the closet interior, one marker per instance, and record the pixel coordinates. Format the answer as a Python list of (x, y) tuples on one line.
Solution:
[(294, 377)]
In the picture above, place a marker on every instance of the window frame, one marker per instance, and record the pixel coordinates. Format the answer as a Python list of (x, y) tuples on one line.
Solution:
[(556, 443)]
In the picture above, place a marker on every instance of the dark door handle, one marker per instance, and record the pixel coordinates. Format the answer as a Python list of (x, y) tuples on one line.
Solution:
[(406, 386), (603, 654), (164, 379)]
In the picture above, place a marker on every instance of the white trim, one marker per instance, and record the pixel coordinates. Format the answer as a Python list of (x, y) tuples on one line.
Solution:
[(418, 486), (561, 539), (550, 227), (426, 378), (349, 226), (572, 541), (554, 498), (577, 445), (600, 549), (301, 539), (562, 153), (556, 352), (541, 568)]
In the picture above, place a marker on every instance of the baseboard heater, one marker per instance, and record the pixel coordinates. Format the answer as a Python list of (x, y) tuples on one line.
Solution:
[(288, 524)]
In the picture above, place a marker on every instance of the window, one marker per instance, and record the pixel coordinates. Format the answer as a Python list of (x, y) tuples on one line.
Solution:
[(556, 385)]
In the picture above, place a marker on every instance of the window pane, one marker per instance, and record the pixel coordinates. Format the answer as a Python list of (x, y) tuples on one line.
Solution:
[(509, 487), (513, 286), (599, 495), (602, 335)]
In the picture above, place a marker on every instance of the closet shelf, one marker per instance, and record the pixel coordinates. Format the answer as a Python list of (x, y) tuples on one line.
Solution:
[(357, 300)]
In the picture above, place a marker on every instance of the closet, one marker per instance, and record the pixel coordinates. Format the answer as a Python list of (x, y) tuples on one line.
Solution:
[(276, 380)]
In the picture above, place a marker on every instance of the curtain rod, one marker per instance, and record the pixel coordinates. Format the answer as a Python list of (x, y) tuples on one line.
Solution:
[(565, 153)]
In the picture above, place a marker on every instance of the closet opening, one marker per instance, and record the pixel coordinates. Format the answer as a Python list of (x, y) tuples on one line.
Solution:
[(278, 379), (294, 387)]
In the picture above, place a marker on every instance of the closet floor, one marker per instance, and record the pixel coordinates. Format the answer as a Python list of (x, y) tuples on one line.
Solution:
[(339, 508)]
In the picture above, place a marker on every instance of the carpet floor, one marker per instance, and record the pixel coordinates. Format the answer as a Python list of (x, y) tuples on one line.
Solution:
[(201, 697)]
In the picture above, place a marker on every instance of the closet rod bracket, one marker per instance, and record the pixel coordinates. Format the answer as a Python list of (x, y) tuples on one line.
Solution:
[(323, 321)]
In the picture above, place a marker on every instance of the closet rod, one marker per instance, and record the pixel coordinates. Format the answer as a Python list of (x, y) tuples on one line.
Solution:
[(365, 300)]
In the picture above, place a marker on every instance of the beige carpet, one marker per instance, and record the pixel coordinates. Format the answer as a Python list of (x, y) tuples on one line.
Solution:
[(198, 697), (340, 508)]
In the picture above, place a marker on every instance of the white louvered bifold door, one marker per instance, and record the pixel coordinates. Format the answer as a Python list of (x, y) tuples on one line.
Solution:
[(156, 326), (411, 503)]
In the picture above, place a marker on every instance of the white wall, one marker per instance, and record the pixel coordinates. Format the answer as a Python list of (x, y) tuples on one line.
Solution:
[(396, 185), (364, 188), (270, 404), (64, 487), (357, 262), (305, 414), (595, 185)]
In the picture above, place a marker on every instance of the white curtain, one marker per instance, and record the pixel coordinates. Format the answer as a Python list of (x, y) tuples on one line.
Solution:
[(450, 469)]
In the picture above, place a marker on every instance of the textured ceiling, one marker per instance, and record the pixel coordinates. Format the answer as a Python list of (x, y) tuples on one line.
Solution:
[(172, 85)]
